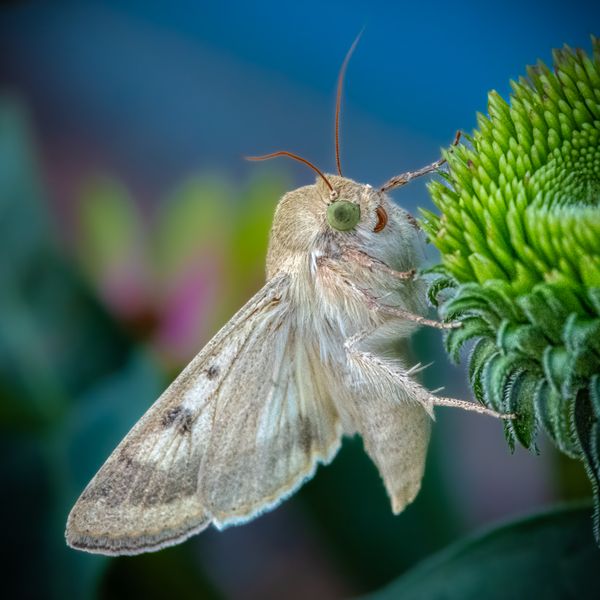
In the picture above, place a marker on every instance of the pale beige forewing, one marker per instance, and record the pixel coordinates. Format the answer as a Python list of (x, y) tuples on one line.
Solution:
[(243, 426)]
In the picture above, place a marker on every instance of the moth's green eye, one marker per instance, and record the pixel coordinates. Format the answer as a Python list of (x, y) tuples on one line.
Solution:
[(342, 215)]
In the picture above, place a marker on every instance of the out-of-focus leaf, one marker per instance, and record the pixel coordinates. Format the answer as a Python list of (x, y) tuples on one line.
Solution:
[(110, 227), (188, 256), (54, 340), (111, 245), (191, 222), (77, 449), (551, 556), (54, 336), (26, 503), (18, 182), (175, 275), (170, 573), (101, 418), (253, 222)]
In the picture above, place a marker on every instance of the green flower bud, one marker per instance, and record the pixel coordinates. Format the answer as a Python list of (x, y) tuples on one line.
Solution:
[(519, 237)]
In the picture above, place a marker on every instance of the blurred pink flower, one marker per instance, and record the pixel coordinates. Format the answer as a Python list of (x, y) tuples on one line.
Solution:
[(174, 276)]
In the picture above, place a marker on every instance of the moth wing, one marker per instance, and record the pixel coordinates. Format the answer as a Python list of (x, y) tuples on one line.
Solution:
[(396, 436), (239, 429), (385, 408)]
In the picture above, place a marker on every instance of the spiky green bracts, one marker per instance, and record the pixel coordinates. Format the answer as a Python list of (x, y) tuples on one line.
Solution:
[(519, 237)]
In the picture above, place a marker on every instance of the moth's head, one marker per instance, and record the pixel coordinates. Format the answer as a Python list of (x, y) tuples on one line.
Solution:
[(345, 207), (337, 213), (359, 215), (335, 208)]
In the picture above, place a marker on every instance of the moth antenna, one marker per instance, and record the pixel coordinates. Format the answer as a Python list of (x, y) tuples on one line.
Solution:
[(338, 101), (299, 159)]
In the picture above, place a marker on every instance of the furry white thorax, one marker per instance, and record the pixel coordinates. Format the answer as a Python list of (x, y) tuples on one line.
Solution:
[(326, 304)]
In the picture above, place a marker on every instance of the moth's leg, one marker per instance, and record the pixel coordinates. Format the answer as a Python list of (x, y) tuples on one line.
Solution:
[(374, 304), (404, 178), (374, 264), (388, 371), (325, 262), (470, 406)]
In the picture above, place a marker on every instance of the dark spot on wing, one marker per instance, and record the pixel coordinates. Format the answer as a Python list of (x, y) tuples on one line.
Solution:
[(185, 421), (178, 417), (171, 416), (212, 371)]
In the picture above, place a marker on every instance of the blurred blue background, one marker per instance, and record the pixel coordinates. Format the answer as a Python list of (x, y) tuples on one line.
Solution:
[(131, 228)]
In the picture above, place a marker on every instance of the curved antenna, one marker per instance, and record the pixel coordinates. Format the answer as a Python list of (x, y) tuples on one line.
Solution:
[(338, 101), (299, 159)]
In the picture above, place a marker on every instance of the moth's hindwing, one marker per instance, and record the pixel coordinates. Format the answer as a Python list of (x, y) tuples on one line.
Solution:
[(242, 427)]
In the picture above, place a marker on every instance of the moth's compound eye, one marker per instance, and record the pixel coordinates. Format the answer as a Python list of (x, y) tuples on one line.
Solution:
[(382, 219), (343, 215)]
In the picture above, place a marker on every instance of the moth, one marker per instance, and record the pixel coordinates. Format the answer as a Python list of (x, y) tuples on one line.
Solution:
[(313, 356)]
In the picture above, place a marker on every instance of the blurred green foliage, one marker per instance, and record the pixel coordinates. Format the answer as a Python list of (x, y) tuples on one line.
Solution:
[(551, 555)]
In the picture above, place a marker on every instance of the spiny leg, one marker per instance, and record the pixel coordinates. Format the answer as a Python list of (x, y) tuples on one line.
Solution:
[(404, 178), (382, 368), (465, 405), (395, 311), (374, 264), (325, 262)]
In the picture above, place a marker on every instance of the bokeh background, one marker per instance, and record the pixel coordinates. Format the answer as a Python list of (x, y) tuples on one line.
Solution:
[(131, 229)]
